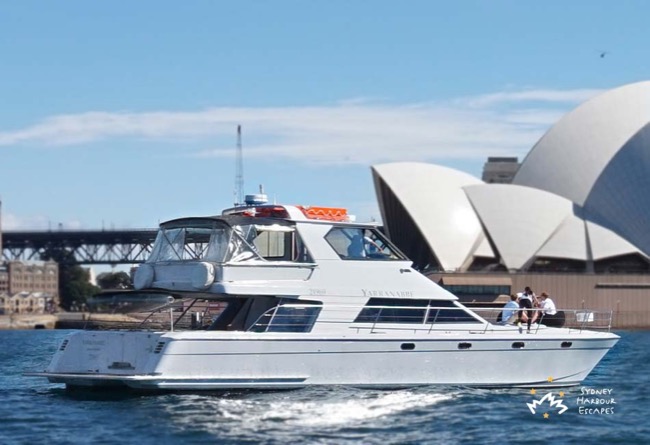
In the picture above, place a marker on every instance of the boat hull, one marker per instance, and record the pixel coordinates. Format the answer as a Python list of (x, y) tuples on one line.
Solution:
[(207, 360)]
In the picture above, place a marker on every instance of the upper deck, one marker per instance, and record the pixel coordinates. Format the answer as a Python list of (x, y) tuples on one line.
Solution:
[(280, 250)]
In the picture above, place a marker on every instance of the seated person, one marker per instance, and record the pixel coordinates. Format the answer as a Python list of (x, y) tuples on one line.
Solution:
[(547, 305), (357, 248), (526, 314), (509, 310), (550, 315)]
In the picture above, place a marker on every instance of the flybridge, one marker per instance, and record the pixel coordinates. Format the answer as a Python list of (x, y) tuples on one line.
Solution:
[(293, 212)]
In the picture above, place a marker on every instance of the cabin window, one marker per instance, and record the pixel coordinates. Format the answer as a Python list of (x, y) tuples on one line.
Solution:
[(288, 318), (275, 242), (357, 243), (270, 244), (391, 310)]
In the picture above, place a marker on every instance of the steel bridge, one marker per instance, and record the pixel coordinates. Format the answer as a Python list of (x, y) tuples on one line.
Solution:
[(88, 246)]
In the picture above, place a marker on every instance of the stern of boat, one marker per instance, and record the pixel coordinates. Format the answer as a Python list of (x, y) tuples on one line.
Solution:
[(103, 358)]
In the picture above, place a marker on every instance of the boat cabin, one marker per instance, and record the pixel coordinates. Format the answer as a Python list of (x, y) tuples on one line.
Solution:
[(272, 267)]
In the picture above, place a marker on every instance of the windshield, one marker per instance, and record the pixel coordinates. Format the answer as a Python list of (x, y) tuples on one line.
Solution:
[(208, 241), (356, 243)]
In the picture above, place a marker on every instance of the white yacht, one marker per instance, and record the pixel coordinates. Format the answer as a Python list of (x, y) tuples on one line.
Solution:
[(307, 297)]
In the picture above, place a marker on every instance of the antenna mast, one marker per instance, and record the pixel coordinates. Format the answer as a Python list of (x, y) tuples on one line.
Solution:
[(239, 171)]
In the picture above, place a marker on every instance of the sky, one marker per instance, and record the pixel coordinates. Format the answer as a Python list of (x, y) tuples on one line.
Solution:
[(122, 114)]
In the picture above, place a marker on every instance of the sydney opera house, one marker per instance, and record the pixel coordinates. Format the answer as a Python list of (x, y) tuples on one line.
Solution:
[(574, 221)]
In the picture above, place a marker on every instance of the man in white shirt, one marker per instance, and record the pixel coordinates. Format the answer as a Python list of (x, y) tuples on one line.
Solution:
[(547, 305)]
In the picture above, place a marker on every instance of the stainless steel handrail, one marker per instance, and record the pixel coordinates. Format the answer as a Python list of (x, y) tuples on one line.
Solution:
[(478, 320)]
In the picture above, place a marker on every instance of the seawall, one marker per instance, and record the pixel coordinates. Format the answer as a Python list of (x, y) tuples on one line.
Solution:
[(66, 320), (24, 321)]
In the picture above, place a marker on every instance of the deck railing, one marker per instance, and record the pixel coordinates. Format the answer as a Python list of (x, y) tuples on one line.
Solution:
[(489, 319), (197, 315)]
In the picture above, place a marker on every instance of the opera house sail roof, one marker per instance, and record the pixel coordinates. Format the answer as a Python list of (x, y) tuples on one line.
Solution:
[(436, 212), (580, 200), (598, 156)]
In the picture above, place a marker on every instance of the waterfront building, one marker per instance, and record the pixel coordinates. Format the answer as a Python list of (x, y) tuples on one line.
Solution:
[(500, 170), (26, 303), (28, 287), (573, 221), (4, 278)]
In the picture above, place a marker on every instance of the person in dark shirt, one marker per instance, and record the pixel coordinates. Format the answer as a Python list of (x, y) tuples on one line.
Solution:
[(527, 300)]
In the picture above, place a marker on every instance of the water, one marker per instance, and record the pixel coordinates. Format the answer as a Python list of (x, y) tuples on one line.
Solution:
[(34, 411)]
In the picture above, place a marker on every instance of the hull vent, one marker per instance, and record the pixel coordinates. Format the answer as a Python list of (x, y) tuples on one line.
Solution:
[(64, 345), (159, 347)]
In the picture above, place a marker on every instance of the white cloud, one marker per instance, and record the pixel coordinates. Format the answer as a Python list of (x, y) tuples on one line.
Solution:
[(532, 95), (353, 131)]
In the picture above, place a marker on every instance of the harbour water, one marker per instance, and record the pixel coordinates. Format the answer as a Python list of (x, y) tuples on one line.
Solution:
[(612, 406)]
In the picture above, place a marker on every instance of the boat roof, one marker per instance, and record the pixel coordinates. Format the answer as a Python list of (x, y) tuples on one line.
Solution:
[(273, 213), (231, 220)]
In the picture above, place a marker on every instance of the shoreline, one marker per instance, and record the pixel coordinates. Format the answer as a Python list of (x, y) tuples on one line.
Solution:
[(61, 320), (28, 321)]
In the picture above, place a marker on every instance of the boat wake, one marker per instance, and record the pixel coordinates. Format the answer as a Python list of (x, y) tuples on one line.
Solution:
[(310, 410), (317, 413)]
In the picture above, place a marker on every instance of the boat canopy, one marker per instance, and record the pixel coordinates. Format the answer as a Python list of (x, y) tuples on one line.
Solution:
[(227, 240)]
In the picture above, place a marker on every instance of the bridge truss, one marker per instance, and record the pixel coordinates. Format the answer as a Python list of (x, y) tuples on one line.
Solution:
[(89, 247)]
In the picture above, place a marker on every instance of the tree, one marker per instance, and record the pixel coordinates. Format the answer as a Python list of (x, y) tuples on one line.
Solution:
[(114, 280), (74, 281)]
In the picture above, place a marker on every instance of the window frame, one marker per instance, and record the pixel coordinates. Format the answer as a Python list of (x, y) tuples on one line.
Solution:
[(452, 313), (312, 312), (369, 236)]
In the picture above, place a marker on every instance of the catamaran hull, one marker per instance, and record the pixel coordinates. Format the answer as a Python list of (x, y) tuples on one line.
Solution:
[(206, 361)]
